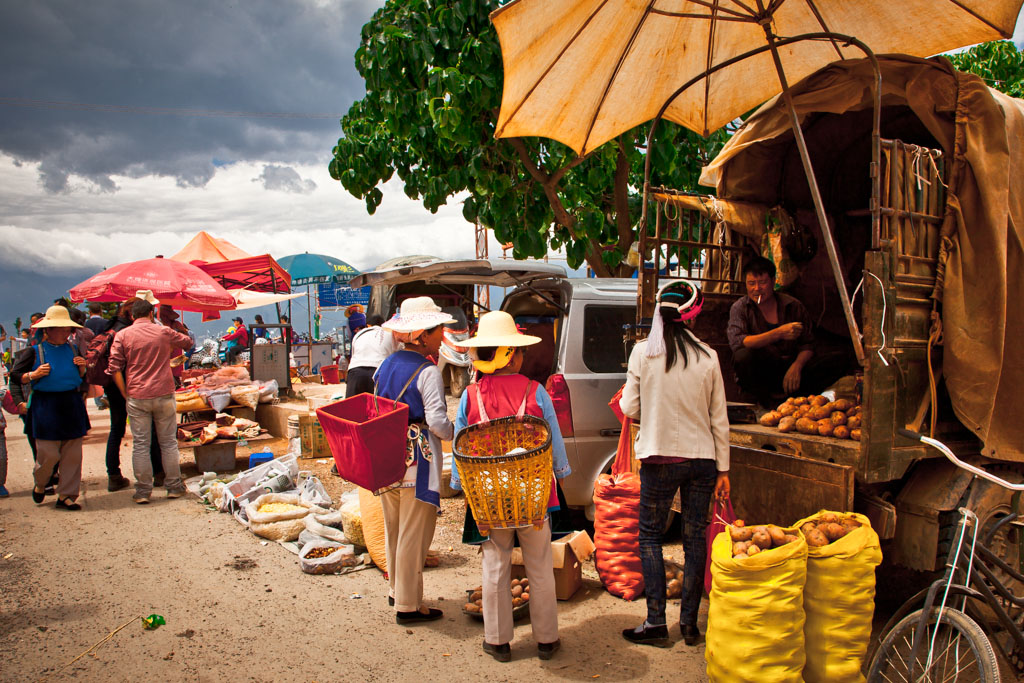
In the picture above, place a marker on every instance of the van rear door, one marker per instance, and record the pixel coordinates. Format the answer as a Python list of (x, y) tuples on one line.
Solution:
[(489, 272)]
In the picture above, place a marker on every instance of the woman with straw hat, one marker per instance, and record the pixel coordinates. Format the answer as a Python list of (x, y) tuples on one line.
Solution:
[(411, 506), (501, 392), (674, 387), (59, 418)]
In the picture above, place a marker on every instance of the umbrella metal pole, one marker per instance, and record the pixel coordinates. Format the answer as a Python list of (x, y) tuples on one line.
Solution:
[(819, 205)]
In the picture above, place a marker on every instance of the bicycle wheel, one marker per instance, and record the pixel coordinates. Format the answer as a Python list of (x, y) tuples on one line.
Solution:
[(962, 651)]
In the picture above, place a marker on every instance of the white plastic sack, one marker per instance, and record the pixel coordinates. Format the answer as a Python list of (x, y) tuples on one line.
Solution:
[(316, 525), (278, 526), (268, 391), (312, 490), (343, 556), (219, 400), (247, 395)]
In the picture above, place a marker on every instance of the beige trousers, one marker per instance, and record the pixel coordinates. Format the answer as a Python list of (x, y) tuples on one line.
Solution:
[(408, 531), (497, 570), (66, 454)]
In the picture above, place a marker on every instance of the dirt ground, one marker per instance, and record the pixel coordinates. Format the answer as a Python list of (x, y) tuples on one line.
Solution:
[(237, 609)]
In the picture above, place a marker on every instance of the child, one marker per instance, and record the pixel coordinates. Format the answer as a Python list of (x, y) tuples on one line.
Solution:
[(12, 408)]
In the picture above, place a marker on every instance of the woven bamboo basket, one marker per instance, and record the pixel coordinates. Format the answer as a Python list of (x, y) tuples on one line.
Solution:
[(505, 491)]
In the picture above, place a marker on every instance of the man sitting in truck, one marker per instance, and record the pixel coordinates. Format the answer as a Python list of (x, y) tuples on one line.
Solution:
[(770, 337)]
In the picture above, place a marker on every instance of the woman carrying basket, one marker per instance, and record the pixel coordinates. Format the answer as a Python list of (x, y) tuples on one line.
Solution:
[(674, 386), (411, 506), (502, 392)]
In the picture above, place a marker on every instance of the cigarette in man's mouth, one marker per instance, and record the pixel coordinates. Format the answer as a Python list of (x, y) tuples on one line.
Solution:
[(758, 299)]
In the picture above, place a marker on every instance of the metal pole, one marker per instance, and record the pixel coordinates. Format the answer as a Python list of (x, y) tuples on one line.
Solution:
[(819, 205)]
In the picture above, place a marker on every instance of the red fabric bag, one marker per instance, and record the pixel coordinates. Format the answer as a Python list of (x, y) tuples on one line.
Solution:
[(367, 437), (721, 515), (617, 526)]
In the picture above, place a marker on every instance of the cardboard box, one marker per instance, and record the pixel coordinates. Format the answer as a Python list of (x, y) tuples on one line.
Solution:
[(567, 557), (313, 439)]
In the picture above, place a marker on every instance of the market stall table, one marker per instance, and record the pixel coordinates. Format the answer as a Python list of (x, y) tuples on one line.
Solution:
[(218, 455)]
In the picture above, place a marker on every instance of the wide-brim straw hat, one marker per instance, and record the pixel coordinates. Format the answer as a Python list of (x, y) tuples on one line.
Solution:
[(148, 296), (497, 328), (418, 313), (56, 316)]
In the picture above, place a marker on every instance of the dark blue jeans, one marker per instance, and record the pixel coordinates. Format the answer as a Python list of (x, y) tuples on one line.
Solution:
[(695, 480)]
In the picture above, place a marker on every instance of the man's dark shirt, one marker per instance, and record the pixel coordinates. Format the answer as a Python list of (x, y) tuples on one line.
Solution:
[(746, 319)]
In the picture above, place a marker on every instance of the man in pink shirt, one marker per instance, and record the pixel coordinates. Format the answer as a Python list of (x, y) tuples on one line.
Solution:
[(140, 365)]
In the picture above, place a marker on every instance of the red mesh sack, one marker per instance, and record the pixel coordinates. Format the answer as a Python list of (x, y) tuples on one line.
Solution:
[(617, 526)]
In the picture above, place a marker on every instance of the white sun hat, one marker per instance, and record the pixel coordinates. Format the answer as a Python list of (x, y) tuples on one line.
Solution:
[(56, 316), (497, 328), (418, 313)]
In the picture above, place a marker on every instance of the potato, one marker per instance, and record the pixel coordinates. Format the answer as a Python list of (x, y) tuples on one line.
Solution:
[(800, 401), (524, 582), (817, 539), (740, 557), (515, 582), (841, 432), (741, 533), (762, 540), (842, 404), (476, 595), (828, 518), (855, 434), (517, 591), (759, 527), (808, 527), (818, 413), (674, 588), (853, 411), (479, 603), (737, 549), (777, 534), (806, 426), (516, 602), (770, 419), (818, 400), (792, 537), (802, 411), (753, 550), (787, 424), (525, 597), (838, 417), (786, 409), (472, 608), (853, 422), (833, 531), (739, 523), (850, 523), (824, 427)]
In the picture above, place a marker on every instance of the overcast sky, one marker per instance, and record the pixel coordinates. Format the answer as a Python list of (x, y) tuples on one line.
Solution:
[(126, 127)]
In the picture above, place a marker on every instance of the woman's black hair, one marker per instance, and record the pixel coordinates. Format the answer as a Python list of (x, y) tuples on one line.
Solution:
[(678, 337), (486, 353)]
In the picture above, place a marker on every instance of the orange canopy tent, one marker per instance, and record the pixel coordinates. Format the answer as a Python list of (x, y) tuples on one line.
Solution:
[(208, 249)]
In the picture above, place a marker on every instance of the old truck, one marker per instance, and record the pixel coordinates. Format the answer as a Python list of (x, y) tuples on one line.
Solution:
[(924, 299)]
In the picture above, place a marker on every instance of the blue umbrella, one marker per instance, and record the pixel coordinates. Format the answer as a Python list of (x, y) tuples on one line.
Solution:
[(316, 269)]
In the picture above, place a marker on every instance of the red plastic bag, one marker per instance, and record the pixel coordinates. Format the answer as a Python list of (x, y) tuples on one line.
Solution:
[(617, 527), (721, 515), (367, 437)]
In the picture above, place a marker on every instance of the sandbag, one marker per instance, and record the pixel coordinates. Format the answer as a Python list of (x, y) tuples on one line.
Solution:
[(756, 616), (839, 601), (278, 525), (617, 534), (371, 514)]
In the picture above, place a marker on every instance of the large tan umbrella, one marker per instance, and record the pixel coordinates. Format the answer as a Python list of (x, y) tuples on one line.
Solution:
[(583, 71)]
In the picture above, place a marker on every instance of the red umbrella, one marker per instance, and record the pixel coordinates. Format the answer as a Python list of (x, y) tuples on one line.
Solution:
[(178, 284)]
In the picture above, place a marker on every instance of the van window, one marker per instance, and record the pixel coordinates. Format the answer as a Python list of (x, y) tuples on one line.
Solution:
[(603, 350)]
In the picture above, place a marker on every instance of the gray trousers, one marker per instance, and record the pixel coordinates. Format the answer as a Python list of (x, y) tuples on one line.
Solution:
[(145, 415), (65, 454)]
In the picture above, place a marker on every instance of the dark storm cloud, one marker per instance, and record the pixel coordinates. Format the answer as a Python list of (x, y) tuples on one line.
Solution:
[(111, 69), (284, 179)]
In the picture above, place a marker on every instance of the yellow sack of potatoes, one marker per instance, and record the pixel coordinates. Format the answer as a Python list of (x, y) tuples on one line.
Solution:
[(839, 600), (756, 617), (372, 515)]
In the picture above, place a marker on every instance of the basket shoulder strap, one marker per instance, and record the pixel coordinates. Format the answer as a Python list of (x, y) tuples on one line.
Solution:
[(478, 395), (531, 386)]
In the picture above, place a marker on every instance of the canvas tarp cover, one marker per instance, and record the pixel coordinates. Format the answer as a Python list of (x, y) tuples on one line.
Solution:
[(981, 259)]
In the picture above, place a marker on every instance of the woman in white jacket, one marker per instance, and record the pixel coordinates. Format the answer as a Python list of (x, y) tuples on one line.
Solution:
[(674, 387)]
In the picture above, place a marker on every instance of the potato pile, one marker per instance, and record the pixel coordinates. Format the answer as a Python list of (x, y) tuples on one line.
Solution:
[(673, 580), (520, 596), (748, 541), (818, 416), (827, 528)]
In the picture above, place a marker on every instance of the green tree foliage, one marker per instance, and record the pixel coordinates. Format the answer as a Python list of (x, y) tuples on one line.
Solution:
[(433, 75), (999, 63)]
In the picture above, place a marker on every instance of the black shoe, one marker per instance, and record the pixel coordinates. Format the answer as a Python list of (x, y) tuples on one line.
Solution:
[(502, 653), (690, 634), (49, 490), (648, 635), (548, 650), (117, 483), (38, 497), (391, 601), (68, 504), (417, 616)]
